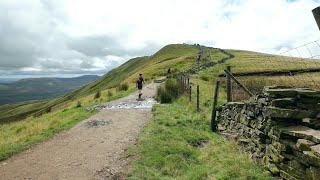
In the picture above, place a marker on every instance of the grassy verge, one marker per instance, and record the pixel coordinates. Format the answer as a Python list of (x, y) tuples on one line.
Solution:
[(178, 144), (20, 135)]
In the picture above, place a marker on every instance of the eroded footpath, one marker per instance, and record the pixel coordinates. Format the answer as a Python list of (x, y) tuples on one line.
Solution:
[(93, 149)]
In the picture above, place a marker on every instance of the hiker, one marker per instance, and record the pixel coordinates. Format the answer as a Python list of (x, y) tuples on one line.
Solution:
[(139, 84)]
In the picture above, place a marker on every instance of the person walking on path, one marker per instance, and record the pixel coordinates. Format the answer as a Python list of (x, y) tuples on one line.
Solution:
[(139, 84)]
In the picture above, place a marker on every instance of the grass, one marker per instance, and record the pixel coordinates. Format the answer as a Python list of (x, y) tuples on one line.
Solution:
[(17, 136), (167, 145), (247, 61), (174, 56), (20, 131), (20, 135), (178, 144)]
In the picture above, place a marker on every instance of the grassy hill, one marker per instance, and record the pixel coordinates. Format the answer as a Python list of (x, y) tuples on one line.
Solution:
[(178, 57), (175, 56), (23, 124), (165, 146), (40, 88)]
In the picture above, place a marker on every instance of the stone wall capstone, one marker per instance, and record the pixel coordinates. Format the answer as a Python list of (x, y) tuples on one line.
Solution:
[(280, 128)]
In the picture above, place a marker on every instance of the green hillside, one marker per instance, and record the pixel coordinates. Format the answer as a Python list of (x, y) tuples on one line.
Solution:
[(40, 88), (22, 125), (175, 56), (178, 57)]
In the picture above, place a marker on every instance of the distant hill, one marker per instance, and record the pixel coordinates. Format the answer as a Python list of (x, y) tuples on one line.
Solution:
[(41, 88)]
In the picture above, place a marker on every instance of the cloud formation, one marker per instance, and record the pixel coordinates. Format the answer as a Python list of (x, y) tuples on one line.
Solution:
[(44, 37)]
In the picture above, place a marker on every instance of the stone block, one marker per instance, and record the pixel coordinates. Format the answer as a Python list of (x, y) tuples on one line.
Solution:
[(280, 93), (307, 158), (304, 145), (286, 176), (283, 102), (235, 104), (302, 132), (293, 114), (313, 123), (316, 150), (308, 93), (294, 172)]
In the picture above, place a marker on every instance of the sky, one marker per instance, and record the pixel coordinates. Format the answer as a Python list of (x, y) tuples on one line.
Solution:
[(74, 37)]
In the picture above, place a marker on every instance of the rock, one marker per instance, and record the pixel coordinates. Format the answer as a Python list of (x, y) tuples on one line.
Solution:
[(294, 172), (305, 93), (281, 93), (303, 132), (273, 169), (286, 176), (235, 104), (304, 145), (283, 102), (307, 158), (293, 114), (316, 150), (312, 123)]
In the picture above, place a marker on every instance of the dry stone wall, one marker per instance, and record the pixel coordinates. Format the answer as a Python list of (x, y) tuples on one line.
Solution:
[(280, 128)]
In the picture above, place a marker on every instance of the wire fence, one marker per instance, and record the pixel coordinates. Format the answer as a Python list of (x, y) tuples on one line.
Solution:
[(294, 67), (246, 73)]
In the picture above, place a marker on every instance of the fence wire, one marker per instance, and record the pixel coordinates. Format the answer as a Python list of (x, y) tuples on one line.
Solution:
[(294, 67)]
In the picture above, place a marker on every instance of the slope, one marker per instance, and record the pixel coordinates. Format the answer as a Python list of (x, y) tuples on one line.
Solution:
[(40, 88), (175, 56)]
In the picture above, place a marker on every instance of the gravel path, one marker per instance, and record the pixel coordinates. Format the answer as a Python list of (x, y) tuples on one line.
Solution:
[(93, 149)]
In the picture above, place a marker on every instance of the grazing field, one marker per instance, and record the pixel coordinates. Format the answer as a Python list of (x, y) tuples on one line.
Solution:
[(246, 61)]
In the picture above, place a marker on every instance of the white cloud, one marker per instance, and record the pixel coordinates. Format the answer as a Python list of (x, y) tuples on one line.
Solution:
[(74, 36)]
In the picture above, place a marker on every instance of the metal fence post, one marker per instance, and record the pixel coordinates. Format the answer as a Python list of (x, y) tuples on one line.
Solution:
[(214, 107), (229, 85)]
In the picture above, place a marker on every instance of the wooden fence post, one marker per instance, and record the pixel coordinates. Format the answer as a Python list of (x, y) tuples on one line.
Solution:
[(240, 84), (214, 107), (229, 85), (182, 78), (198, 99), (190, 93)]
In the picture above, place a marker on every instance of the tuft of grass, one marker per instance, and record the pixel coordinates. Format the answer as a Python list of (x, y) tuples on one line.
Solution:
[(97, 95), (170, 91), (123, 87), (109, 94), (78, 104)]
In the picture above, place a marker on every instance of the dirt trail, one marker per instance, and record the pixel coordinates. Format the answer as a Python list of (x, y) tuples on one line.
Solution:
[(93, 149)]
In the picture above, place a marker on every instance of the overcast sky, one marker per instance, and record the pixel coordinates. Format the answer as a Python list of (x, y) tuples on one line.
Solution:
[(59, 37)]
